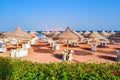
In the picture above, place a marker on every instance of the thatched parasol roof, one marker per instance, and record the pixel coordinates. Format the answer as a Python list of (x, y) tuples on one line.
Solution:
[(112, 32), (51, 34), (80, 32), (18, 33), (68, 35), (46, 32), (115, 37), (103, 33), (94, 35), (54, 34), (86, 33), (33, 33)]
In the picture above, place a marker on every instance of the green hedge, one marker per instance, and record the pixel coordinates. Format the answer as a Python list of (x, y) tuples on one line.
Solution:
[(15, 69)]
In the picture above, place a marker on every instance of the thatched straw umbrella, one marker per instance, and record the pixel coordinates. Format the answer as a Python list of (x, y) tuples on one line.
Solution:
[(46, 32), (33, 33), (80, 36), (18, 34), (115, 37), (52, 34), (86, 33), (80, 32), (112, 32), (69, 36), (55, 34), (103, 33), (95, 36)]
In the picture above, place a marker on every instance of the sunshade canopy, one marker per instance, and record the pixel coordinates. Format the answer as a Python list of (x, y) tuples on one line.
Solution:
[(68, 35), (112, 32), (86, 33), (18, 33), (94, 35), (103, 33)]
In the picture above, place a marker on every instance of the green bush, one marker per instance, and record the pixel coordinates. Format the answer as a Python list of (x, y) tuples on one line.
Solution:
[(15, 69)]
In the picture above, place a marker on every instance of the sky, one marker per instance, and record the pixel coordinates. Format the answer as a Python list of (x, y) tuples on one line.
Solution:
[(58, 14)]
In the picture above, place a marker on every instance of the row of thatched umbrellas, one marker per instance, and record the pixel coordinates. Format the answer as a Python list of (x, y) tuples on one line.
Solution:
[(72, 35), (102, 33), (86, 33), (65, 35), (69, 34)]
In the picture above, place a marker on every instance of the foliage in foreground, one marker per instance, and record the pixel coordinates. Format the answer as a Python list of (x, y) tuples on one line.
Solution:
[(15, 69)]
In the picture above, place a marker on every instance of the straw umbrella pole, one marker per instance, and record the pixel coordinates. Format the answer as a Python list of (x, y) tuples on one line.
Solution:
[(67, 50)]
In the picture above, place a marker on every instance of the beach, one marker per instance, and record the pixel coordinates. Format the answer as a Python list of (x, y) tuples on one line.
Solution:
[(41, 52)]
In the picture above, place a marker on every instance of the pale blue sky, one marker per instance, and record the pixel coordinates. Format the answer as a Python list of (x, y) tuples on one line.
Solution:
[(47, 14)]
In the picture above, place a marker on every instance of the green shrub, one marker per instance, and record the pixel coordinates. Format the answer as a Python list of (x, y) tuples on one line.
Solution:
[(15, 69)]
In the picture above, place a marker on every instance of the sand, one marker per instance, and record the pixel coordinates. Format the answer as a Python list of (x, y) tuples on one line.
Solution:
[(41, 52)]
